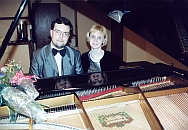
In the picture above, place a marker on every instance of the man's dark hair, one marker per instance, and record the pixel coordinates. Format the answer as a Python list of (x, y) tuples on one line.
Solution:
[(63, 20)]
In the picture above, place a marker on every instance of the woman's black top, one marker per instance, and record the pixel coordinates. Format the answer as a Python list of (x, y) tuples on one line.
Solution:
[(108, 62)]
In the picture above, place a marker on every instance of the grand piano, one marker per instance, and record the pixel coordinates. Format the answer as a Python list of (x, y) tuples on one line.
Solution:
[(140, 95)]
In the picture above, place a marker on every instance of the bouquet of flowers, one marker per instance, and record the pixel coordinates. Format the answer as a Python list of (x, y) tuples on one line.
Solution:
[(18, 93)]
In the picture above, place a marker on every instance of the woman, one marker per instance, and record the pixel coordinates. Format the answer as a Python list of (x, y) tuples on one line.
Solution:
[(97, 59)]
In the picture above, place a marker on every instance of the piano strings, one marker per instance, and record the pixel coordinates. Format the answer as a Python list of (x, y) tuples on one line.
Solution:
[(171, 110), (158, 83), (65, 114), (148, 81), (87, 94), (157, 86), (134, 120)]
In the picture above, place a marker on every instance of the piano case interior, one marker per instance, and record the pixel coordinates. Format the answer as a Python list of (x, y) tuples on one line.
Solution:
[(150, 110), (157, 109)]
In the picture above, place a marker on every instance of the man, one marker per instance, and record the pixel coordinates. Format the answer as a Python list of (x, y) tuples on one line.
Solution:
[(63, 83), (57, 59)]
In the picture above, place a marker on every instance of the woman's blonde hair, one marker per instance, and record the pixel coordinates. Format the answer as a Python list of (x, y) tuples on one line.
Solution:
[(100, 28)]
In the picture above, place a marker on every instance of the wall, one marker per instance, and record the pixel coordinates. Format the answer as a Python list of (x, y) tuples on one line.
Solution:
[(83, 19), (135, 48), (87, 16), (8, 9), (20, 54)]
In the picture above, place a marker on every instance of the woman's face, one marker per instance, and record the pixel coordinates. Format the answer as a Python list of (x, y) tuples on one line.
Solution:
[(96, 39), (97, 79)]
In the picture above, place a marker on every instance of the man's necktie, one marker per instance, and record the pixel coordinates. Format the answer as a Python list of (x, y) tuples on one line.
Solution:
[(62, 52)]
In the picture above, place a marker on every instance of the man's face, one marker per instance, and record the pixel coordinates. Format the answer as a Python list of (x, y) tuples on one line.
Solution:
[(60, 35), (63, 84)]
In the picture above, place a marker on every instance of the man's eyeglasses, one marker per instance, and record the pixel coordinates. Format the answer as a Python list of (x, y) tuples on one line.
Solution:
[(58, 32)]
